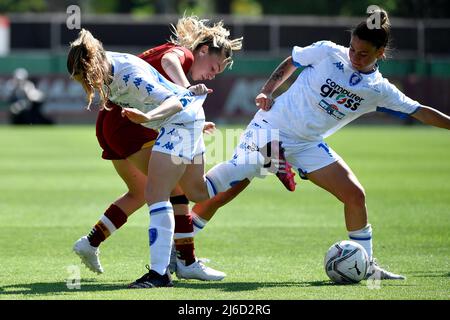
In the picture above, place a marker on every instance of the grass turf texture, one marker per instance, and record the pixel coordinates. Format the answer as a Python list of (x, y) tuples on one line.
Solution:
[(270, 242)]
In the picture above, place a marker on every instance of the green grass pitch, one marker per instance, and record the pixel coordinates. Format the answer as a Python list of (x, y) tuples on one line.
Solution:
[(271, 243)]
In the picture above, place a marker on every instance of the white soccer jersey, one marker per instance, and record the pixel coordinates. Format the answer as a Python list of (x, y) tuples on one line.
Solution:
[(137, 84), (330, 93)]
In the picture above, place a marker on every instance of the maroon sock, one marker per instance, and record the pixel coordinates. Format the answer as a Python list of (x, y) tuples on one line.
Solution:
[(100, 231), (185, 245)]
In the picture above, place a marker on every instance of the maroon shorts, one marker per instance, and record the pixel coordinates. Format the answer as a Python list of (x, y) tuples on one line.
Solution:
[(118, 136)]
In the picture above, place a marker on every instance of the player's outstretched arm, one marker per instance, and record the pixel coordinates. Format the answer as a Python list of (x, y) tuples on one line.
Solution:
[(168, 108), (432, 117), (280, 75)]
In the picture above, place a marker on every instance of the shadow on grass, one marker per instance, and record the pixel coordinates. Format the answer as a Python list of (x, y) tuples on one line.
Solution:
[(430, 274), (60, 287), (250, 286), (247, 286), (92, 285)]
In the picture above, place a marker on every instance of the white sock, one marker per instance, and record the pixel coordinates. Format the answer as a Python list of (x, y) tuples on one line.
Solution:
[(224, 175), (212, 191), (198, 222), (364, 238), (162, 225)]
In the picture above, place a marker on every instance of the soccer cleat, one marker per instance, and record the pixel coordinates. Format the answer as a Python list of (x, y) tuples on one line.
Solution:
[(199, 271), (285, 173), (88, 254), (173, 260), (378, 273), (152, 279), (204, 260)]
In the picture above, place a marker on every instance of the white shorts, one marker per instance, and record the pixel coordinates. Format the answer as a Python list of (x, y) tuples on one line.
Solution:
[(305, 156), (309, 157), (183, 140)]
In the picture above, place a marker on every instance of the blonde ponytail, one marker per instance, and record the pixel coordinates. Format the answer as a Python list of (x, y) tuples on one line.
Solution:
[(192, 32), (87, 60)]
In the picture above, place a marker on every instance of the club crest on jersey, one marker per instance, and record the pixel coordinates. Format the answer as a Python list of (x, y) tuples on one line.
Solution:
[(355, 78)]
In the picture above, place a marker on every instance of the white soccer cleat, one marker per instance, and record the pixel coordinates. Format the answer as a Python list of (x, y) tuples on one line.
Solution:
[(203, 260), (173, 260), (88, 254), (378, 273), (199, 271)]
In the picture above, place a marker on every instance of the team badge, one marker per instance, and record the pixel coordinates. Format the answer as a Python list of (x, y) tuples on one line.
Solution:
[(355, 79), (153, 235)]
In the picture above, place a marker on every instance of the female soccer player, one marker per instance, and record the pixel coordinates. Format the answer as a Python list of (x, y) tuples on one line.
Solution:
[(337, 86), (203, 52), (177, 155)]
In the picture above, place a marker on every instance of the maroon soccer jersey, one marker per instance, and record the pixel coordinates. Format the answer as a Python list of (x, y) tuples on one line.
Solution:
[(154, 56), (118, 136)]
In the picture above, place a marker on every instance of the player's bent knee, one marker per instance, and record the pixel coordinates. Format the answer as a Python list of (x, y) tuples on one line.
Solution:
[(136, 193), (357, 197), (135, 197), (197, 194), (155, 194)]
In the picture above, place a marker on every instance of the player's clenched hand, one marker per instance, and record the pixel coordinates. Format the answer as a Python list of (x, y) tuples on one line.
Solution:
[(135, 115), (263, 101), (209, 127), (199, 89)]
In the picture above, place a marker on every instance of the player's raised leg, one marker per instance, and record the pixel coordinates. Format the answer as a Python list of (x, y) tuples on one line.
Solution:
[(257, 149), (205, 210)]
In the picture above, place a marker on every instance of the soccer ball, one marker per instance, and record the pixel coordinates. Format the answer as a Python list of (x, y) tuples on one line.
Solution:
[(346, 262)]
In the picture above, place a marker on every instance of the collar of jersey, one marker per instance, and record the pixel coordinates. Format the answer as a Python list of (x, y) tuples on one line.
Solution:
[(370, 72)]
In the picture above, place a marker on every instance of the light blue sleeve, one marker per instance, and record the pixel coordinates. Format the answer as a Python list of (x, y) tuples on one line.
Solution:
[(147, 89), (141, 86), (310, 55)]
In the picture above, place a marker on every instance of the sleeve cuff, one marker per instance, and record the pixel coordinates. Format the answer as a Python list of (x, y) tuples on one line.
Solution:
[(417, 109), (296, 64)]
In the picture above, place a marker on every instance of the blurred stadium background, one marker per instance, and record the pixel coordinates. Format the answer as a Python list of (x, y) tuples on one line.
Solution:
[(53, 184), (34, 36)]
